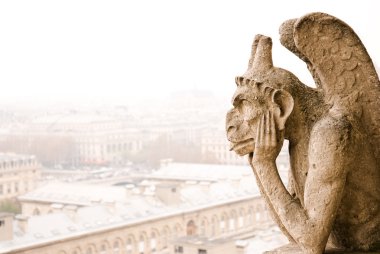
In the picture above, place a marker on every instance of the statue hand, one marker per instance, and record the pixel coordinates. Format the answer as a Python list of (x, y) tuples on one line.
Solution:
[(267, 146)]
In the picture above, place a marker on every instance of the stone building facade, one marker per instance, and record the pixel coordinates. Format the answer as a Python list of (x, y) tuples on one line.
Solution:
[(148, 215), (215, 148), (77, 139), (152, 235), (18, 175)]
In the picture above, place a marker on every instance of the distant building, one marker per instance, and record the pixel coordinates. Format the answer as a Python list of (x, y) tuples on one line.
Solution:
[(216, 148), (149, 215), (77, 139), (18, 175)]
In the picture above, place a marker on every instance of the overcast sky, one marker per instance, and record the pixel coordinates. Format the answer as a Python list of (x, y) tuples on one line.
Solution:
[(116, 50)]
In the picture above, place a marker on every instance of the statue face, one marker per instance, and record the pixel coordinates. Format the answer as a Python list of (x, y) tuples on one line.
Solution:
[(243, 119)]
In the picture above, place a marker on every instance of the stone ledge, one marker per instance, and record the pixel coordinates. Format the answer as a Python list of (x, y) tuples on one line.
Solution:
[(293, 249)]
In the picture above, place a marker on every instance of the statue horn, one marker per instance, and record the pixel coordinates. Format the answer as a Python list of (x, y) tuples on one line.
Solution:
[(261, 56)]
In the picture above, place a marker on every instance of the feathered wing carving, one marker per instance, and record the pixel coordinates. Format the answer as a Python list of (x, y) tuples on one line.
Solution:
[(340, 66)]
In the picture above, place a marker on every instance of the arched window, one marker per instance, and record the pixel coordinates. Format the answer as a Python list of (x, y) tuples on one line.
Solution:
[(36, 211), (232, 221), (77, 251), (129, 247), (250, 216), (90, 249), (222, 224), (214, 225), (142, 243), (258, 212), (202, 230), (241, 218), (153, 242), (177, 230), (191, 228), (165, 236), (116, 247), (103, 249)]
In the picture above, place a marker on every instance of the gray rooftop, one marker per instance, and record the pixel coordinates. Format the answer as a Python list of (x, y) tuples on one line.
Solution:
[(100, 207)]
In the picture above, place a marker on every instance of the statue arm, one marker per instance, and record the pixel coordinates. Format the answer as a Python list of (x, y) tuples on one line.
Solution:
[(309, 226)]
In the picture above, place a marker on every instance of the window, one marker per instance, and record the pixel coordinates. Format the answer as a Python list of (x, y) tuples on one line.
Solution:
[(153, 242), (36, 211), (222, 223), (232, 224), (202, 251), (141, 244), (1, 189), (103, 249), (241, 221), (129, 246), (116, 249), (178, 249), (2, 223), (191, 228), (203, 228), (213, 226)]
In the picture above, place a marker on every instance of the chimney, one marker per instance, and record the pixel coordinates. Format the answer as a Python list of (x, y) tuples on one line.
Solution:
[(6, 227), (22, 222), (170, 194)]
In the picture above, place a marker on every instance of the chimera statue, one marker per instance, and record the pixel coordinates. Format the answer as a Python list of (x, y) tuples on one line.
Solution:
[(333, 131)]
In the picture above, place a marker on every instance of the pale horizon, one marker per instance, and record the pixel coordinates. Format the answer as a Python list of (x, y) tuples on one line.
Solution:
[(120, 51)]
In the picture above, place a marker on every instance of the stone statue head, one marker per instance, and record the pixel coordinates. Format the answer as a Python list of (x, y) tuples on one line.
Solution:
[(260, 89)]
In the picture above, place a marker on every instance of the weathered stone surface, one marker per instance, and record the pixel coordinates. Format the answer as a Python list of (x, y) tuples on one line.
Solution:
[(333, 132), (294, 249)]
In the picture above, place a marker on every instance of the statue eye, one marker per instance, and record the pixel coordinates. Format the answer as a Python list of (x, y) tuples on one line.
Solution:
[(245, 108), (249, 110)]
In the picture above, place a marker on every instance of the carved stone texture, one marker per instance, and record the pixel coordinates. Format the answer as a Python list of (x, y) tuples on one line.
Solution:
[(333, 132), (294, 249)]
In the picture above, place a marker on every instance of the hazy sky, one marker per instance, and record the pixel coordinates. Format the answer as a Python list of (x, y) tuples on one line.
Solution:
[(116, 50)]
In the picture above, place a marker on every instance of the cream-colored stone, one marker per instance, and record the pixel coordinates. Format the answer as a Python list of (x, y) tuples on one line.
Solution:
[(19, 174), (131, 237), (333, 133), (294, 249)]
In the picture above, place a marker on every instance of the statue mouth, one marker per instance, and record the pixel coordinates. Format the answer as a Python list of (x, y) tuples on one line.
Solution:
[(243, 147)]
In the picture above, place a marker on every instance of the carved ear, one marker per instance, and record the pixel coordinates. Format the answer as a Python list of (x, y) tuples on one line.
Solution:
[(285, 103)]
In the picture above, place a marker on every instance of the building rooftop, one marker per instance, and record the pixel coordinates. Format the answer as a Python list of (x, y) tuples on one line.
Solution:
[(74, 118), (13, 157), (98, 207), (206, 172)]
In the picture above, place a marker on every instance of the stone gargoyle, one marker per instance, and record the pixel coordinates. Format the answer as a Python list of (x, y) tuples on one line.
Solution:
[(333, 195)]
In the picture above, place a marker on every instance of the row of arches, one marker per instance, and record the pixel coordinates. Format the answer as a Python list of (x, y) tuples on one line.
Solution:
[(143, 242), (155, 240), (229, 222)]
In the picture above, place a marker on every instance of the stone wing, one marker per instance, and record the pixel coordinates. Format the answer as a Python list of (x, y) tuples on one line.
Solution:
[(341, 67)]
